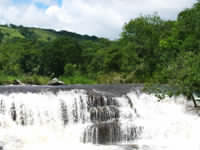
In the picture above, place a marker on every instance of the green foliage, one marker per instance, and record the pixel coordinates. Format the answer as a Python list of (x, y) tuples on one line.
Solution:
[(28, 34), (1, 36), (5, 79), (185, 72), (70, 70), (9, 33), (34, 79), (13, 31), (77, 79), (58, 53), (143, 35), (150, 50)]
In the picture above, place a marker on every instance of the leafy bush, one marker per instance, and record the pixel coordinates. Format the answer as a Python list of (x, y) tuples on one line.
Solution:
[(77, 79), (35, 79), (70, 69)]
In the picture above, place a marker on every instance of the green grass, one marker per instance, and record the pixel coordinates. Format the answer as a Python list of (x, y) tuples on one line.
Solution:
[(43, 80), (77, 79), (43, 34), (4, 79), (34, 79), (10, 33)]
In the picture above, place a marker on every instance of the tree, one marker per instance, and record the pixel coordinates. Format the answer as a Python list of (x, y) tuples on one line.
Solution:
[(27, 33), (188, 27), (1, 36), (58, 53), (184, 73), (144, 34)]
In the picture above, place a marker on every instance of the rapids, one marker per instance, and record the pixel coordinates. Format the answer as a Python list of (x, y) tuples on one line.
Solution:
[(95, 119)]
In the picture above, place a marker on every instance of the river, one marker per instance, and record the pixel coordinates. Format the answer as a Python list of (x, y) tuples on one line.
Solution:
[(95, 117)]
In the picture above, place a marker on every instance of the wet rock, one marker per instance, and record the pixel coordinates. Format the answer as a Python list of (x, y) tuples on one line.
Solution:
[(17, 82), (131, 147), (55, 81), (110, 132), (1, 145)]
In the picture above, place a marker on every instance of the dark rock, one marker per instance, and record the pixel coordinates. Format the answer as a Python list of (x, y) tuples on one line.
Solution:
[(55, 81), (17, 82), (110, 132), (1, 145)]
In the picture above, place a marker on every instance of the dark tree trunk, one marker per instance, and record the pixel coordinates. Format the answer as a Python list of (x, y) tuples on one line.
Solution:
[(194, 101)]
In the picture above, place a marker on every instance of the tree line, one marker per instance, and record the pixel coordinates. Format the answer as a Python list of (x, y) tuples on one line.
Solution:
[(149, 50)]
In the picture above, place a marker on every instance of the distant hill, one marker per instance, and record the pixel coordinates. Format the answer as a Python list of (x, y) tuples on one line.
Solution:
[(27, 51), (8, 32)]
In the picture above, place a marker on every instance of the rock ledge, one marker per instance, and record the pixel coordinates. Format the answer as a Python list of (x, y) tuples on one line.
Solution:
[(55, 81)]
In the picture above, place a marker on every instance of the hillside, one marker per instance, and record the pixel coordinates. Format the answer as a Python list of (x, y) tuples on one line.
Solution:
[(150, 50), (8, 32), (34, 55)]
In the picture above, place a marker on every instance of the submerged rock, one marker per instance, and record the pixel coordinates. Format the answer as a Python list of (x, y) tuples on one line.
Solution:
[(55, 81)]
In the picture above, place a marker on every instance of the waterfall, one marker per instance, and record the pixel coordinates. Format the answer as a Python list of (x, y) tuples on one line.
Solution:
[(92, 120), (75, 116), (168, 124)]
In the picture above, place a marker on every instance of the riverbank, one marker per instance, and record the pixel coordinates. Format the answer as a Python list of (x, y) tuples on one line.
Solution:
[(43, 80)]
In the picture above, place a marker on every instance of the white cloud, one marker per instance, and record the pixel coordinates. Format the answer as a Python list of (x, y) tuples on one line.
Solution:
[(102, 18)]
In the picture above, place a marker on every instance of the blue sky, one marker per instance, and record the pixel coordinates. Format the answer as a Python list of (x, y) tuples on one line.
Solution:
[(104, 18), (39, 4)]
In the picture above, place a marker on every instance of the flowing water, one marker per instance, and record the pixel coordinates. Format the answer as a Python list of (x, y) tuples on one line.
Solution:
[(85, 119)]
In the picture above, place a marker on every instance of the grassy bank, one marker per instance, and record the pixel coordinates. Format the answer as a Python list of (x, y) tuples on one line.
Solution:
[(43, 80), (35, 79), (99, 78)]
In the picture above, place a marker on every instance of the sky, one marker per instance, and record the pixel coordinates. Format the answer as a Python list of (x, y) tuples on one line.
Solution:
[(103, 18)]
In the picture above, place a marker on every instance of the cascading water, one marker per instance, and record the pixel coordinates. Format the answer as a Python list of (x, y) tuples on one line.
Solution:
[(87, 119), (167, 124), (66, 118)]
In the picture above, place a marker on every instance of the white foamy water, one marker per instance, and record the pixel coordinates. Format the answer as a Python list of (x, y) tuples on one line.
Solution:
[(68, 119), (75, 120), (167, 125), (38, 120)]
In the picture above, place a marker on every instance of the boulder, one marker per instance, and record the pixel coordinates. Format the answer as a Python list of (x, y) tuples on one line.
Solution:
[(55, 81), (17, 82)]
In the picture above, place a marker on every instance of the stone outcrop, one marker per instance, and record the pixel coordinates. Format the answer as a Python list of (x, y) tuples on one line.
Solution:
[(17, 82), (55, 81)]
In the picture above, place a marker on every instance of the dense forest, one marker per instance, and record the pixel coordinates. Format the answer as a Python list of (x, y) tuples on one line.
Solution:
[(149, 50)]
